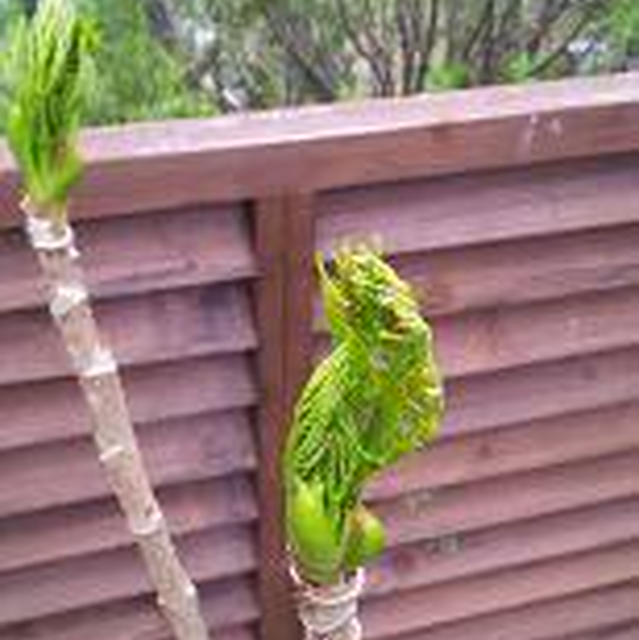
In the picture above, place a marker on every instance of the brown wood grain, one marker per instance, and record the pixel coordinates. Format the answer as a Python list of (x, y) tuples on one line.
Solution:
[(63, 473), (615, 632), (168, 164), (138, 254), (539, 621), (422, 608), (522, 271), (278, 618), (87, 581), (159, 327), (517, 447), (514, 212), (89, 528), (484, 207), (540, 391), (300, 284), (507, 546), (502, 337), (48, 411), (225, 603), (433, 513)]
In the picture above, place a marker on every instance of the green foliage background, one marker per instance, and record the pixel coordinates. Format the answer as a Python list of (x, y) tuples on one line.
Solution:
[(224, 55)]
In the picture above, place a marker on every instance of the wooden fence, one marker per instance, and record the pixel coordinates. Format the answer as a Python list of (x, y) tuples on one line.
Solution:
[(515, 211)]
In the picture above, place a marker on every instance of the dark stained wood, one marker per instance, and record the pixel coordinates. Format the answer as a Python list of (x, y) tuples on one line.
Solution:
[(519, 447), (59, 587), (497, 338), (159, 165), (159, 327), (278, 618), (422, 515), (225, 603), (540, 391), (89, 528), (62, 473), (539, 621), (139, 254), (502, 337), (299, 295), (485, 207), (48, 411), (422, 608), (525, 250), (522, 271), (522, 542), (615, 632)]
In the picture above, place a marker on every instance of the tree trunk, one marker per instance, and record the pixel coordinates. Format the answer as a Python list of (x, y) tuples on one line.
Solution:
[(329, 612), (119, 454)]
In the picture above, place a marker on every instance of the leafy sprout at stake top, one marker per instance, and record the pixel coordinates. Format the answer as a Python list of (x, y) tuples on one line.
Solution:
[(51, 69), (377, 396)]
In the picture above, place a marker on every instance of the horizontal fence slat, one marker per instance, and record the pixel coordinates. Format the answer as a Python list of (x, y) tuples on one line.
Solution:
[(481, 208), (515, 272), (513, 448), (63, 473), (500, 338), (92, 580), (539, 621), (89, 528), (433, 513), (464, 555), (506, 397), (154, 251), (421, 608), (54, 410), (225, 603), (169, 164), (142, 330), (630, 632)]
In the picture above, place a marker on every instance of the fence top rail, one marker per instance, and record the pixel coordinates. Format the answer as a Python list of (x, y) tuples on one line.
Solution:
[(319, 147)]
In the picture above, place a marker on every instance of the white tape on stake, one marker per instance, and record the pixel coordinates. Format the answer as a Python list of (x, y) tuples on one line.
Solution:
[(46, 235), (155, 523), (66, 297), (112, 452), (101, 362)]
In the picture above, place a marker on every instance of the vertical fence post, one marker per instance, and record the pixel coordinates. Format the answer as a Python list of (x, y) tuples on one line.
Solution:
[(284, 245), (299, 294)]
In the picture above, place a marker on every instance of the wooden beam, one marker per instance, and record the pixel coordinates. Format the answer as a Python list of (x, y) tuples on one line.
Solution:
[(169, 164), (277, 621), (284, 242)]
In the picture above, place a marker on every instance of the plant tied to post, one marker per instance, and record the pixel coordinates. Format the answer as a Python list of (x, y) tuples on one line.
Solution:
[(376, 396), (52, 73)]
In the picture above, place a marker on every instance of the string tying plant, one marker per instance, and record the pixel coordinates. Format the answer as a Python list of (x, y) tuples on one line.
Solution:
[(376, 396)]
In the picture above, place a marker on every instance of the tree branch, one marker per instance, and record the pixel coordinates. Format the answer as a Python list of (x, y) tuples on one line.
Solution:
[(480, 27), (298, 53), (362, 49), (562, 49), (428, 45)]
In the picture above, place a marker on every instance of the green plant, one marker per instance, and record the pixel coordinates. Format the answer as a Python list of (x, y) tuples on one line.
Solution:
[(51, 70), (374, 398)]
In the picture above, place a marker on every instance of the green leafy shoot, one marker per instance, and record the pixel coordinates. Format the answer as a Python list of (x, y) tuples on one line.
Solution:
[(51, 71), (375, 397)]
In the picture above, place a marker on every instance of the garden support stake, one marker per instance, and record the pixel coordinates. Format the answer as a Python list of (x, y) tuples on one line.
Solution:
[(51, 64), (113, 434)]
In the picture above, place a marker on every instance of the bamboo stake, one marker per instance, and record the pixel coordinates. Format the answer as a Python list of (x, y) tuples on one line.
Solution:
[(52, 70), (113, 433)]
